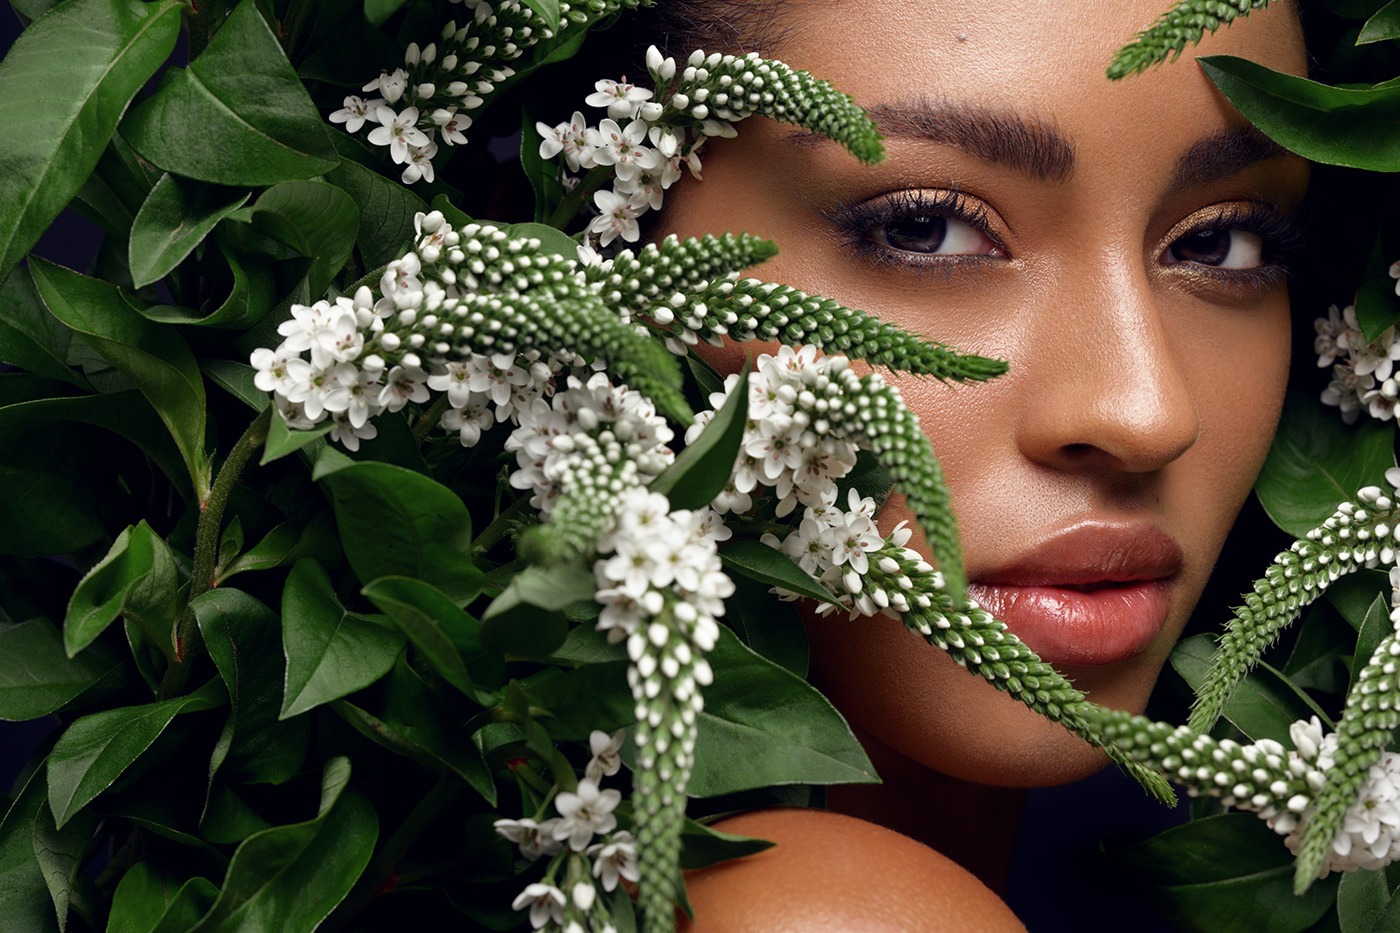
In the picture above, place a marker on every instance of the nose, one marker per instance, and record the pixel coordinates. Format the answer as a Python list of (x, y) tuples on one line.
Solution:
[(1111, 394)]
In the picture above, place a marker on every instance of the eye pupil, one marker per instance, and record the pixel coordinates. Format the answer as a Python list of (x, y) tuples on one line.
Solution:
[(1207, 247), (922, 234)]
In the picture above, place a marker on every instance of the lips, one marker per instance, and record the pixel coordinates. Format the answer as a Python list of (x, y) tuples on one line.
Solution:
[(1093, 594)]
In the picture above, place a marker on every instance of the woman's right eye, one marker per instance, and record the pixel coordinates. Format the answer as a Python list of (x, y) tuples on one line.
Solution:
[(933, 235), (915, 225)]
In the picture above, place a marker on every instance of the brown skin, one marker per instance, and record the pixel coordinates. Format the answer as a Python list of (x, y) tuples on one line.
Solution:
[(1144, 389)]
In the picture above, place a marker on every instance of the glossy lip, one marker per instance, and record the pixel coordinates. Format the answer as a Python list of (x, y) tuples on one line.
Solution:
[(1096, 593)]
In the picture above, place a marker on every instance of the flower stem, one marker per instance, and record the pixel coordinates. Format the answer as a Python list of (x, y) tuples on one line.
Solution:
[(429, 419), (206, 546), (495, 531), (574, 200)]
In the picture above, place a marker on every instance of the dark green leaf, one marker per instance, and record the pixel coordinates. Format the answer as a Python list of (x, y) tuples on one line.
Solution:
[(314, 218), (1322, 653), (702, 846), (25, 906), (1361, 899), (37, 676), (30, 337), (762, 725), (595, 696), (63, 87), (543, 174), (95, 750), (387, 210), (1263, 706), (701, 471), (1317, 461), (228, 819), (1353, 595), (137, 579), (240, 634), (1338, 126), (768, 625), (152, 356), (147, 901), (286, 544), (548, 10), (237, 380), (377, 11), (330, 652), (282, 440), (1374, 627), (587, 645), (289, 878), (758, 561), (551, 239), (238, 115), (1377, 305), (59, 854), (251, 296), (395, 522), (175, 218), (43, 511), (527, 619), (448, 638), (1385, 24)]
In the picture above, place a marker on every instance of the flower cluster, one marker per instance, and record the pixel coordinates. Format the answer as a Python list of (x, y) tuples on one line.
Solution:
[(1363, 373), (585, 813), (645, 142)]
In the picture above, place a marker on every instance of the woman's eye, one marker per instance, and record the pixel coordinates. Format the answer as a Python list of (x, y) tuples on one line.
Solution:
[(1223, 249), (931, 234)]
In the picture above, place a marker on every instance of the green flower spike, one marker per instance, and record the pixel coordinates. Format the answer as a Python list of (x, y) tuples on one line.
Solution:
[(1182, 24), (1371, 715), (638, 283), (1359, 534)]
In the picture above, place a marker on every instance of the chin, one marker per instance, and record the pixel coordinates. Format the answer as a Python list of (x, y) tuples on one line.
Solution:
[(916, 702)]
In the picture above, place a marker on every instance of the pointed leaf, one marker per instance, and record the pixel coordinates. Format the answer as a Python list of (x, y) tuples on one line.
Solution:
[(1374, 627), (1338, 126), (64, 85), (702, 846), (527, 620), (175, 218), (238, 115), (316, 219), (762, 725), (289, 878), (330, 652), (152, 356), (59, 853), (147, 901), (758, 561), (286, 544), (95, 750), (25, 905), (282, 440), (1385, 24), (386, 207), (1361, 900), (701, 471), (32, 338), (594, 696), (447, 637), (36, 675), (1264, 704), (137, 578)]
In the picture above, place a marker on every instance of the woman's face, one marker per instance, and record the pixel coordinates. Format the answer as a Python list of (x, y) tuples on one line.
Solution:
[(1115, 243)]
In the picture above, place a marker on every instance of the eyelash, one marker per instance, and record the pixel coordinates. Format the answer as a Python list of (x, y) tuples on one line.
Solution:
[(1281, 233)]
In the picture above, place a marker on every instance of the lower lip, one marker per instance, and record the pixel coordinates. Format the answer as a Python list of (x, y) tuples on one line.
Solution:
[(1068, 627)]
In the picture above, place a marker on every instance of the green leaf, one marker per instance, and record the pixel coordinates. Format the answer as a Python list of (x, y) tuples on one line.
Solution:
[(527, 620), (701, 471), (1221, 873), (377, 11), (702, 846), (289, 878), (152, 356), (595, 696), (316, 219), (768, 625), (1374, 627), (1317, 461), (1377, 305), (64, 85), (330, 652), (241, 635), (1337, 126), (1385, 24), (543, 174), (48, 507), (1353, 595), (548, 10), (1264, 704), (387, 209), (395, 522), (95, 750), (59, 854), (758, 561), (283, 440), (1361, 899), (175, 218), (762, 726), (238, 115), (237, 380), (147, 901), (286, 544), (25, 905), (252, 292), (138, 579), (448, 638), (32, 338), (37, 676), (552, 239)]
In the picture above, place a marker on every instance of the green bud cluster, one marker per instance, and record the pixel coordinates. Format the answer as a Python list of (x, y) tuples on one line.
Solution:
[(732, 87), (748, 309), (590, 494), (590, 11), (1360, 533), (638, 283), (1371, 715), (1182, 24)]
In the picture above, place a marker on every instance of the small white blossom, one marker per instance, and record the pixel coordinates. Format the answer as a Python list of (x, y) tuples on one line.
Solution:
[(546, 903), (585, 813), (397, 131), (355, 112), (620, 98), (605, 761), (617, 858)]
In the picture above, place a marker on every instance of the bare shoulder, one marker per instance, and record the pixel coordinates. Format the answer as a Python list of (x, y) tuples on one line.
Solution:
[(830, 872)]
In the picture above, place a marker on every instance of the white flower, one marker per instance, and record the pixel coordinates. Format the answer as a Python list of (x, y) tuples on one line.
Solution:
[(617, 858), (451, 126), (605, 761), (620, 98), (534, 839), (397, 131), (624, 148), (618, 218), (390, 85), (420, 163), (585, 813), (546, 903), (470, 420), (349, 434), (272, 368), (355, 112), (404, 384)]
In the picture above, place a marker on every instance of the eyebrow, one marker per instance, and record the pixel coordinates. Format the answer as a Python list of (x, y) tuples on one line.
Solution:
[(1222, 156), (1004, 137)]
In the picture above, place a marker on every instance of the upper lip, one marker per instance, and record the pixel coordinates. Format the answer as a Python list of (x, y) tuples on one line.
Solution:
[(1091, 554)]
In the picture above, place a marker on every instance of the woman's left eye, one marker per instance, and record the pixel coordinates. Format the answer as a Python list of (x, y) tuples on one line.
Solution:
[(1219, 248), (932, 235)]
